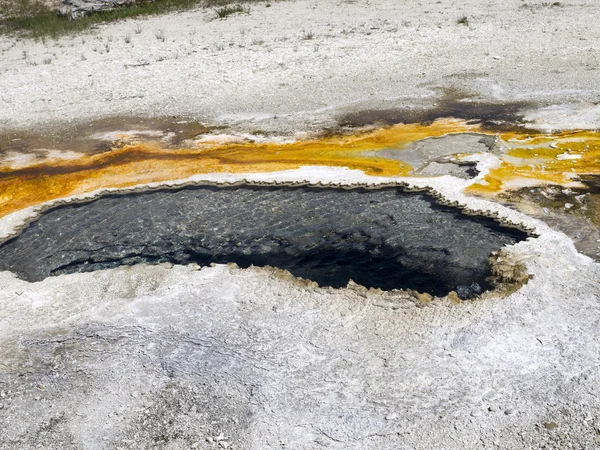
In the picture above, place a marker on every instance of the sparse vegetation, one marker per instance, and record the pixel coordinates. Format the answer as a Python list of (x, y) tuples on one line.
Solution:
[(33, 19), (226, 11), (542, 5), (464, 20), (22, 8), (307, 36)]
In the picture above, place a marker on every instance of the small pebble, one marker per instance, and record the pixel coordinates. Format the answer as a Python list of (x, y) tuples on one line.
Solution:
[(224, 444), (391, 416), (509, 411)]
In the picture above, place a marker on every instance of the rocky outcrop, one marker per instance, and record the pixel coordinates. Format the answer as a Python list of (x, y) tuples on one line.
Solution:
[(75, 9)]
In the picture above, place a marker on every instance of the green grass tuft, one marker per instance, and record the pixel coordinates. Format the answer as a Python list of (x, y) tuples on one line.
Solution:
[(226, 11)]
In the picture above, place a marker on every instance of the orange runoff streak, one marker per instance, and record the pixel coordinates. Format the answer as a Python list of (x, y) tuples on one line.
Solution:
[(147, 163)]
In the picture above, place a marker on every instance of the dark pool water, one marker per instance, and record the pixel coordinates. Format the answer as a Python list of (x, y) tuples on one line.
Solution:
[(384, 238)]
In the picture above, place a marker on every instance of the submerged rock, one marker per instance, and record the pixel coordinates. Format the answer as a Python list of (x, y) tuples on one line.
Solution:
[(468, 292)]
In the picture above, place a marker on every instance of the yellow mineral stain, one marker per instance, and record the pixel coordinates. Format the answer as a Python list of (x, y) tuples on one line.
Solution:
[(146, 163), (557, 159), (541, 138)]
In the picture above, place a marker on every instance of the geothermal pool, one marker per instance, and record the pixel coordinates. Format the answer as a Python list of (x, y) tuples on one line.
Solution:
[(383, 238)]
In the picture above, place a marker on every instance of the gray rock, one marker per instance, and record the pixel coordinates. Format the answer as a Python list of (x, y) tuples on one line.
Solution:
[(76, 9), (433, 157)]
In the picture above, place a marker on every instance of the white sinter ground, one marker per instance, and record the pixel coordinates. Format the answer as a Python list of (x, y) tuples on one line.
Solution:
[(179, 358), (266, 361), (297, 64)]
